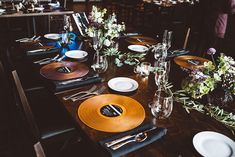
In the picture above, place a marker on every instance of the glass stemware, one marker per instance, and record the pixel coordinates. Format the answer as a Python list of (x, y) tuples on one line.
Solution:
[(160, 52), (162, 104), (162, 74), (97, 41), (167, 38), (100, 63)]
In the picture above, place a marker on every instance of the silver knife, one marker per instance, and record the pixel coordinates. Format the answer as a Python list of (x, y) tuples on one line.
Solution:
[(111, 143), (37, 50), (76, 80)]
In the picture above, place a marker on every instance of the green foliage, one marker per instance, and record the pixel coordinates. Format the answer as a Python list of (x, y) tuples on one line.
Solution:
[(224, 117)]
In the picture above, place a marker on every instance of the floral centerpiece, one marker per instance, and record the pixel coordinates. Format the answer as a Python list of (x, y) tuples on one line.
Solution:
[(220, 74), (107, 28), (216, 75)]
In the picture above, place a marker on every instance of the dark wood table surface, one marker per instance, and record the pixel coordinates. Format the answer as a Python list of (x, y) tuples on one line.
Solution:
[(181, 126)]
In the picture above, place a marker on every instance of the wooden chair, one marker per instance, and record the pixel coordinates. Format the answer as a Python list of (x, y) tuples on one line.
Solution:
[(56, 133), (81, 22)]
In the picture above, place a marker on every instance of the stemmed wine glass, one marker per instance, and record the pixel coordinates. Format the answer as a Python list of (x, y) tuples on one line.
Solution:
[(100, 63), (162, 104), (167, 38), (160, 52), (162, 74)]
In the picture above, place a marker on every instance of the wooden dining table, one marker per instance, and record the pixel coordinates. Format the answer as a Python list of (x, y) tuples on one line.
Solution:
[(46, 12), (181, 126)]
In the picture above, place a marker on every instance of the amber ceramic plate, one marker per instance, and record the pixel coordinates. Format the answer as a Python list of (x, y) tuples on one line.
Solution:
[(141, 40), (190, 62), (111, 113), (64, 70)]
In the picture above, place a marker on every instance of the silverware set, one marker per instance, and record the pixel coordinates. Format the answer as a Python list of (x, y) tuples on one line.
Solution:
[(85, 94), (34, 38), (120, 142), (41, 50), (78, 79), (46, 60)]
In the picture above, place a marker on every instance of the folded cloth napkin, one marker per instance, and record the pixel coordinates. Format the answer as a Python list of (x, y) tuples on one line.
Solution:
[(175, 53), (74, 83), (41, 51), (153, 135)]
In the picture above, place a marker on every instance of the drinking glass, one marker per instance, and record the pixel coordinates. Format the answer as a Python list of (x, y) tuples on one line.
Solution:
[(100, 63), (160, 52), (167, 38), (145, 68), (162, 73), (97, 41), (162, 104)]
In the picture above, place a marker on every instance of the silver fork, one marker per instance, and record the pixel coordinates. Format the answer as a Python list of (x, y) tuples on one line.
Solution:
[(88, 95), (49, 60), (79, 93)]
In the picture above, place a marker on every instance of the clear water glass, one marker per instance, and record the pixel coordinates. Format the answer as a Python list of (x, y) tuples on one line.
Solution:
[(145, 68), (167, 38), (160, 52), (162, 73), (97, 41), (100, 63), (162, 104)]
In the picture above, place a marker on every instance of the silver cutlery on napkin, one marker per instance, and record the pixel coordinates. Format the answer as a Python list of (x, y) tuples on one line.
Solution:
[(124, 138), (78, 79), (46, 60), (41, 50), (93, 88), (137, 138), (89, 94)]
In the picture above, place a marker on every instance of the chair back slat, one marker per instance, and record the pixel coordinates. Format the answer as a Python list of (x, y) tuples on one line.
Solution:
[(25, 106), (39, 150), (186, 38)]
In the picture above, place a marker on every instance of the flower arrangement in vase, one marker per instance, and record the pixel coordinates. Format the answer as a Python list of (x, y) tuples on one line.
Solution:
[(215, 75), (106, 27)]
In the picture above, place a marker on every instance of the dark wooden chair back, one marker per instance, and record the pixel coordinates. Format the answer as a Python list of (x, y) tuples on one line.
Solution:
[(81, 22), (23, 102)]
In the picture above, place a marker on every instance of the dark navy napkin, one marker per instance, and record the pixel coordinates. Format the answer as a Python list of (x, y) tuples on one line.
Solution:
[(175, 53), (57, 86), (153, 135)]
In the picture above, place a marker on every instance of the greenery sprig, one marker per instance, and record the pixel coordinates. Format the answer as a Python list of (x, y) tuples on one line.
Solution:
[(124, 58), (219, 114)]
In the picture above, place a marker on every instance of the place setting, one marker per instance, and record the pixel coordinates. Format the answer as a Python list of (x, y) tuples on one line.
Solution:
[(190, 62), (123, 116), (65, 75)]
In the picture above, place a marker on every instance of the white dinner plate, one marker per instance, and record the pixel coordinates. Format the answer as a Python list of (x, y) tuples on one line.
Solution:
[(138, 48), (213, 144), (123, 84), (53, 4), (39, 8), (76, 54), (52, 36), (2, 10)]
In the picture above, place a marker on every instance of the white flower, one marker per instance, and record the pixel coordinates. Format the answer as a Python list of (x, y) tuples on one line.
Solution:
[(107, 42), (217, 77)]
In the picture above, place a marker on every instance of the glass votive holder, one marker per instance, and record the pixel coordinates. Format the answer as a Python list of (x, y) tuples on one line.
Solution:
[(145, 68)]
